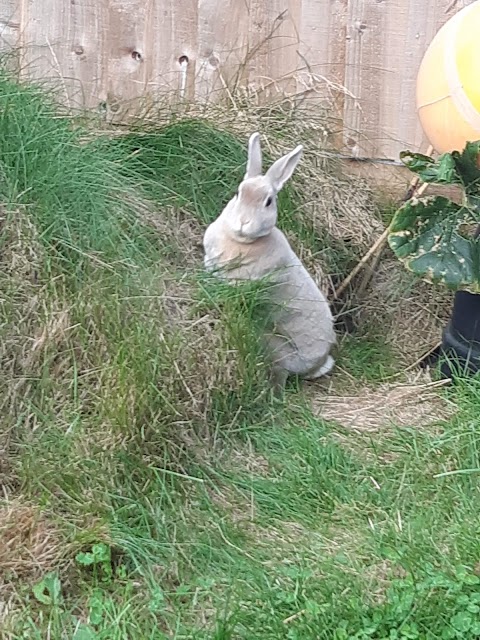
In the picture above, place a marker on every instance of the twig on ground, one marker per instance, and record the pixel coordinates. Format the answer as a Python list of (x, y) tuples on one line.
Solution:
[(424, 356), (294, 617)]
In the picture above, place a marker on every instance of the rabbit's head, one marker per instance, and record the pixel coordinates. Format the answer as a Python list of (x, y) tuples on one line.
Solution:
[(252, 213)]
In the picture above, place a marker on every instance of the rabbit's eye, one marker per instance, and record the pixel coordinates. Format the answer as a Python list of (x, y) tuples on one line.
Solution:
[(268, 202)]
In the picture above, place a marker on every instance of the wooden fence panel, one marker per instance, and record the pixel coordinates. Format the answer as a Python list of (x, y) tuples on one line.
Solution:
[(174, 39), (385, 45), (10, 18), (223, 30), (67, 46), (322, 46), (130, 31), (362, 55)]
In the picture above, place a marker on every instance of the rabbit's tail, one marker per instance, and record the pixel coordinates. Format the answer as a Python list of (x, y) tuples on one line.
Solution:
[(323, 370)]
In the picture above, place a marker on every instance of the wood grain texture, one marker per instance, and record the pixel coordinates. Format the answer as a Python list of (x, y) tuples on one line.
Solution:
[(222, 46), (321, 76), (174, 38), (322, 41), (361, 56), (68, 47), (130, 34), (273, 44), (10, 19), (385, 46)]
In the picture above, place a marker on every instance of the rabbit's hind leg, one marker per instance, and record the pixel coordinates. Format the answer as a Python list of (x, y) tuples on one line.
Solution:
[(278, 380)]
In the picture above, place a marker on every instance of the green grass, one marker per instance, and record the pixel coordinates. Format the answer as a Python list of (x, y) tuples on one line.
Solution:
[(73, 191), (367, 357), (177, 498), (238, 548)]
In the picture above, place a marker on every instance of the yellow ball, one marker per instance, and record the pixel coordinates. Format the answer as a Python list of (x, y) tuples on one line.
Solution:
[(448, 83)]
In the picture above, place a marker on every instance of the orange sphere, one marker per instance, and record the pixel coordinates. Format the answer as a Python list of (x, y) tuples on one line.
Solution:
[(448, 84)]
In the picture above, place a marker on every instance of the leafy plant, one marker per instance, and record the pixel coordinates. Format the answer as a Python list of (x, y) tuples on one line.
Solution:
[(407, 611), (84, 633), (96, 607), (48, 590), (99, 557), (435, 237)]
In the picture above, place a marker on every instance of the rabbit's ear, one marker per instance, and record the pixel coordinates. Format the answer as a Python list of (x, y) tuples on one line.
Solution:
[(282, 169), (254, 164)]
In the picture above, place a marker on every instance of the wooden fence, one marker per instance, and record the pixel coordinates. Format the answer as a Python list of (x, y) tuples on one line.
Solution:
[(361, 54)]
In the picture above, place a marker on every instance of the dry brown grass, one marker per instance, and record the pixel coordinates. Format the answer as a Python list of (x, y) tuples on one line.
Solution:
[(412, 314), (21, 310), (30, 544), (415, 403)]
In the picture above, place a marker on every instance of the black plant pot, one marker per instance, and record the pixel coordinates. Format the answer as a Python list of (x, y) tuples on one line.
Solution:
[(461, 339)]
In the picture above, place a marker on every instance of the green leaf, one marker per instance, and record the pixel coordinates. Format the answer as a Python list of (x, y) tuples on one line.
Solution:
[(442, 171), (461, 621), (96, 607), (85, 559), (410, 632), (467, 166), (475, 629), (84, 633), (451, 168), (475, 597), (100, 553), (48, 590), (432, 238)]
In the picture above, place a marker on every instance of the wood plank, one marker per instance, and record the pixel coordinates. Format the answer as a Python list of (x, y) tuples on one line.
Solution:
[(322, 37), (173, 40), (404, 45), (130, 31), (273, 43), (322, 49), (222, 47), (10, 16), (392, 182), (363, 68), (68, 48), (411, 27), (283, 52), (385, 45)]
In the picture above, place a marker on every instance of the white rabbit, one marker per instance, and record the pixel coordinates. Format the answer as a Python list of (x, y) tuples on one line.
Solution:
[(243, 243)]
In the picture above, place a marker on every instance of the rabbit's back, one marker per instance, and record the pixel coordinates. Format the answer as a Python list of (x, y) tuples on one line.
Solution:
[(304, 330), (303, 324)]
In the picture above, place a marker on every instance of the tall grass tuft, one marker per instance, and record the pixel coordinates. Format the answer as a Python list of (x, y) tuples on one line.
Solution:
[(103, 335)]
